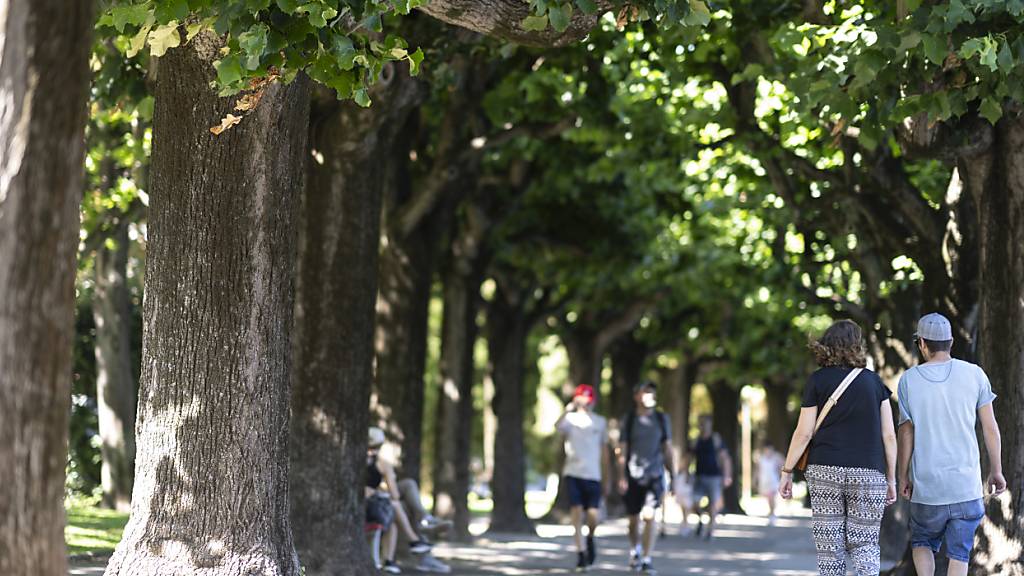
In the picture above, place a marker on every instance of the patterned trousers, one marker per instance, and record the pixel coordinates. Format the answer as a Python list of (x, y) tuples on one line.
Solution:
[(848, 504)]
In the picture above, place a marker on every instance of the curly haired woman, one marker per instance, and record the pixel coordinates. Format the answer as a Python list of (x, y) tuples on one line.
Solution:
[(851, 466)]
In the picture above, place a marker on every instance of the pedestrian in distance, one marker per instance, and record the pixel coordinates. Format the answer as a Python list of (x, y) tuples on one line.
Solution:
[(941, 401), (712, 473), (586, 453), (847, 423), (644, 454)]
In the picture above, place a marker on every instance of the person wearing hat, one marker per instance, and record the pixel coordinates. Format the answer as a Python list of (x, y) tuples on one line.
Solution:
[(941, 400), (384, 506), (644, 454), (586, 437)]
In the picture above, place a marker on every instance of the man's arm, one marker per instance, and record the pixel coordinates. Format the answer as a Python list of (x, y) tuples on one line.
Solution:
[(996, 483), (725, 462), (906, 450), (670, 458)]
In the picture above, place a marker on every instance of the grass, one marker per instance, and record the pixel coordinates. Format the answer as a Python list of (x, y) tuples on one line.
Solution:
[(91, 529)]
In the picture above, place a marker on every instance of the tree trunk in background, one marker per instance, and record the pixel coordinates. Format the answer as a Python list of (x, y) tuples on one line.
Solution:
[(996, 181), (585, 359), (115, 383), (628, 356), (44, 81), (336, 292), (454, 412), (725, 412), (211, 490), (780, 424), (678, 388), (508, 327)]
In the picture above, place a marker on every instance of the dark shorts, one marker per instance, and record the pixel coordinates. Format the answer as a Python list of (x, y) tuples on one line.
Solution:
[(585, 493), (642, 494), (952, 524), (710, 486)]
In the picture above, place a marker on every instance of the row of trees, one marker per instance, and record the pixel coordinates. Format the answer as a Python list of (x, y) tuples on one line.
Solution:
[(709, 189)]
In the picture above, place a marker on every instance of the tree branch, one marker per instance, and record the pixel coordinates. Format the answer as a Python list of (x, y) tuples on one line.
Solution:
[(504, 19)]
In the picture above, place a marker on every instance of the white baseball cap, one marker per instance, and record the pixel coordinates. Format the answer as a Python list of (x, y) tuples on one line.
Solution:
[(934, 327)]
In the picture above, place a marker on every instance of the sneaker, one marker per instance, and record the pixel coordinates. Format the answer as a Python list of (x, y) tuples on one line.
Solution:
[(647, 567), (700, 528), (771, 520), (432, 523), (391, 568), (581, 562), (429, 563), (634, 560), (419, 547), (591, 551)]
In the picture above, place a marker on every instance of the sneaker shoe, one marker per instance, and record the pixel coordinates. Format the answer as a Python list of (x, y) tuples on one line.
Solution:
[(430, 563), (591, 551), (432, 523), (419, 547), (391, 568), (581, 562), (647, 567), (700, 528), (634, 560)]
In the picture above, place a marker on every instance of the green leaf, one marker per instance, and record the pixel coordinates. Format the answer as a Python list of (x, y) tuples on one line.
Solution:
[(343, 50), (415, 59), (229, 70), (170, 10), (163, 38), (135, 14), (958, 14), (254, 42), (403, 7), (934, 48), (1005, 59), (587, 6), (560, 17), (361, 97), (288, 6), (699, 14), (535, 23), (991, 110), (138, 42)]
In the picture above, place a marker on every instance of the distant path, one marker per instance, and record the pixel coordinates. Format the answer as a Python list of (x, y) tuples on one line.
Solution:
[(742, 546)]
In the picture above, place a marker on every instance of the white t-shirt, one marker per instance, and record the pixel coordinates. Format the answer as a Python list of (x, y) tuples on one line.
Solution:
[(586, 434), (768, 470)]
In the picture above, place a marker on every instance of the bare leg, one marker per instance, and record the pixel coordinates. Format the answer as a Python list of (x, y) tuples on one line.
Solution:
[(577, 524), (634, 536), (402, 521), (389, 543), (924, 562), (649, 521), (592, 519), (410, 492), (956, 568), (771, 504)]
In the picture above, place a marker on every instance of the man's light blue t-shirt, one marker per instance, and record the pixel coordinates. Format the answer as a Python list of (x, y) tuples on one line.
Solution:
[(942, 401)]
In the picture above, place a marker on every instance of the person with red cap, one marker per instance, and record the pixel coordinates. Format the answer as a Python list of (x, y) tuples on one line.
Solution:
[(586, 437)]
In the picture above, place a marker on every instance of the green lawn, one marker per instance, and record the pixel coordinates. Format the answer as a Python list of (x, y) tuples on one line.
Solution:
[(91, 528)]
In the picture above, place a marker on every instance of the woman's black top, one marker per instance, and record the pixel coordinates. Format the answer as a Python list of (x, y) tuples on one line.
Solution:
[(373, 475), (851, 435)]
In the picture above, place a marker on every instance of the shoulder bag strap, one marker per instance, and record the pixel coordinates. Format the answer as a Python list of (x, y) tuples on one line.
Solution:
[(834, 398)]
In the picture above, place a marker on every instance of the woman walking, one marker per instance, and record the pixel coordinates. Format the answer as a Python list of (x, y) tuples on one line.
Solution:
[(851, 466)]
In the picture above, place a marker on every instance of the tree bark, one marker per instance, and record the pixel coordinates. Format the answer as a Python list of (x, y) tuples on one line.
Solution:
[(454, 412), (336, 290), (508, 327), (780, 424), (211, 491), (115, 382), (503, 19), (677, 398), (44, 81), (996, 181), (725, 401), (628, 357), (585, 360)]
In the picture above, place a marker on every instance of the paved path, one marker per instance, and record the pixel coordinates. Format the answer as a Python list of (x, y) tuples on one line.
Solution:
[(742, 546)]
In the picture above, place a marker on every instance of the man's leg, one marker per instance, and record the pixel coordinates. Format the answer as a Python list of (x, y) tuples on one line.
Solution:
[(634, 537), (715, 503), (924, 561), (593, 519), (576, 512), (649, 516)]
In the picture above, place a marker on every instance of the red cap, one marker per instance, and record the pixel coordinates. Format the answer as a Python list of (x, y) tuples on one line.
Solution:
[(585, 391)]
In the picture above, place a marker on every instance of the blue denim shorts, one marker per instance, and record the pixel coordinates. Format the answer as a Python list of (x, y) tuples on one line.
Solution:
[(952, 524)]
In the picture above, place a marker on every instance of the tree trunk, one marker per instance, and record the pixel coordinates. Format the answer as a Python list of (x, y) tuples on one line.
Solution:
[(115, 383), (336, 291), (455, 400), (44, 81), (780, 424), (676, 398), (585, 360), (508, 327), (628, 357), (996, 181), (725, 411), (211, 490)]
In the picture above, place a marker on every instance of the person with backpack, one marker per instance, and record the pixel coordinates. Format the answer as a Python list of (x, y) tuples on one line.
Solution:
[(851, 463), (941, 402), (586, 443), (713, 473), (644, 453)]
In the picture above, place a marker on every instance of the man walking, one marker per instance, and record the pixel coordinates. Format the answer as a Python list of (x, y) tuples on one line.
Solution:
[(712, 475), (644, 454), (586, 437), (941, 400)]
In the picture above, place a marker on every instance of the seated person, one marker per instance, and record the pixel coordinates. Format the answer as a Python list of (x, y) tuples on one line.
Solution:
[(381, 482)]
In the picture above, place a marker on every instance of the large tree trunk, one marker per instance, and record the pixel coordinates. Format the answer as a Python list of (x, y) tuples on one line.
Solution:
[(676, 397), (508, 327), (628, 356), (585, 360), (780, 424), (211, 489), (44, 80), (115, 382), (336, 291), (996, 181), (455, 399), (725, 412)]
